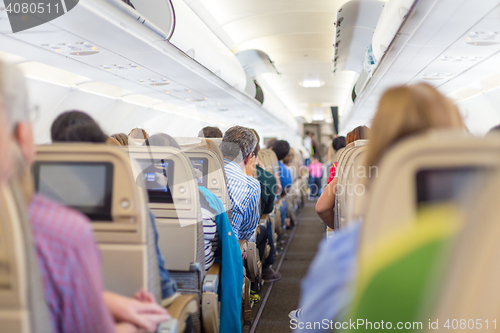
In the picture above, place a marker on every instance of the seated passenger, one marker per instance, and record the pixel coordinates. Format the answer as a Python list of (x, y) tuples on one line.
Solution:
[(337, 144), (238, 147), (225, 248), (402, 111), (210, 132), (66, 250), (282, 148), (326, 202), (77, 126), (122, 138), (267, 199)]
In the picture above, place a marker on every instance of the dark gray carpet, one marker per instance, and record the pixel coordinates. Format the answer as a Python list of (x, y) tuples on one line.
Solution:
[(285, 293)]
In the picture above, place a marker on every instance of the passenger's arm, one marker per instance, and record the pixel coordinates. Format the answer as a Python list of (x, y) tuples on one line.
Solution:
[(82, 306), (126, 328), (144, 315), (326, 203)]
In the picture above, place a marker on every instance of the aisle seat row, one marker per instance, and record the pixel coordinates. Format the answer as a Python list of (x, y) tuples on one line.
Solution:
[(117, 187)]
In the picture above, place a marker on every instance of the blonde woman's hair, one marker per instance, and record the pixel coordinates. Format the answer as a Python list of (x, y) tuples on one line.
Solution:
[(405, 111)]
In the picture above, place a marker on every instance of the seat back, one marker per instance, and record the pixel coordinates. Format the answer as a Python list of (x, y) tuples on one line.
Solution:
[(177, 210), (470, 288), (349, 161), (430, 168), (23, 307), (99, 181), (207, 157)]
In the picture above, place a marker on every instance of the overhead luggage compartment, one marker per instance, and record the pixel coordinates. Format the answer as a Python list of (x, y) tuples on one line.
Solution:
[(391, 18), (194, 38), (356, 21)]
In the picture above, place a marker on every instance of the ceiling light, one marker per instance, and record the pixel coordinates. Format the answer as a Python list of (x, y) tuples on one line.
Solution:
[(311, 83), (159, 84), (318, 117)]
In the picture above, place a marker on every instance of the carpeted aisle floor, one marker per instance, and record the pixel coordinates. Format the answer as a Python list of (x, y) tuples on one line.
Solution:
[(285, 293)]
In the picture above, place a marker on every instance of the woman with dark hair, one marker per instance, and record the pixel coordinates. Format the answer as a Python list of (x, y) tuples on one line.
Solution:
[(76, 126), (337, 144)]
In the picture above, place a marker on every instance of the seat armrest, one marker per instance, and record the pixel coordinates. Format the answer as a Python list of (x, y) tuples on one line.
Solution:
[(215, 269), (243, 245), (211, 280), (182, 305), (171, 326)]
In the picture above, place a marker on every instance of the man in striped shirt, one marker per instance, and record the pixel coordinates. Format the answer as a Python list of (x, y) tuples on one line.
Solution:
[(238, 147)]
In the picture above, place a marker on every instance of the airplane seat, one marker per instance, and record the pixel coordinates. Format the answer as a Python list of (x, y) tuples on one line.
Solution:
[(345, 160), (176, 205), (23, 308), (201, 151), (471, 289), (108, 194), (422, 170), (353, 183)]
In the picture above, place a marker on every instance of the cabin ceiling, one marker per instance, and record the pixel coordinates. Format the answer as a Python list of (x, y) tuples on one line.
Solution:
[(298, 36)]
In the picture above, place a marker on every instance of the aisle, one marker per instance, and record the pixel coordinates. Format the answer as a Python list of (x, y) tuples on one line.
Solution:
[(285, 293)]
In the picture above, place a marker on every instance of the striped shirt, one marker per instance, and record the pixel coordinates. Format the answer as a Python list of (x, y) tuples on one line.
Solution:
[(211, 236), (244, 194), (70, 266)]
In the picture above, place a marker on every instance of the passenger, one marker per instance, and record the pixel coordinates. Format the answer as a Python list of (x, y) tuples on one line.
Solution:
[(66, 250), (307, 142), (112, 142), (122, 138), (210, 132), (337, 144), (402, 112), (215, 223), (71, 125), (282, 148), (137, 136), (209, 226), (326, 202), (267, 199), (76, 126), (270, 143), (238, 147), (316, 173)]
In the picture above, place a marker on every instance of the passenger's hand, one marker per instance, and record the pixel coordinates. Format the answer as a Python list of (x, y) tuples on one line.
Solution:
[(125, 328), (244, 255), (144, 315), (144, 296)]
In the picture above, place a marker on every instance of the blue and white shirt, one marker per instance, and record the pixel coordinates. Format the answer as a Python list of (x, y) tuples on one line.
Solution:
[(244, 193)]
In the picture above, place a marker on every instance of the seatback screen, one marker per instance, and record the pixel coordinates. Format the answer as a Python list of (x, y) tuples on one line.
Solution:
[(445, 185), (200, 168), (84, 186), (157, 177)]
